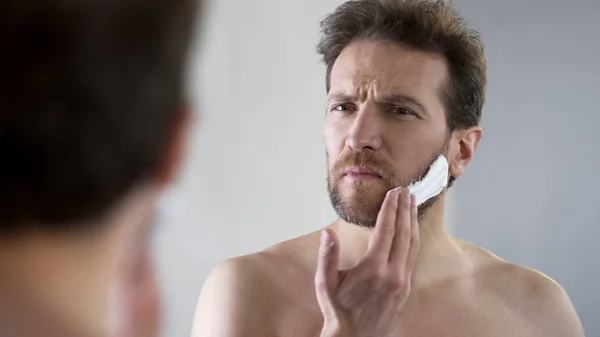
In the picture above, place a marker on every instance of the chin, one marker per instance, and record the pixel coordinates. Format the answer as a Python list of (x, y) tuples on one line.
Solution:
[(370, 191), (360, 203)]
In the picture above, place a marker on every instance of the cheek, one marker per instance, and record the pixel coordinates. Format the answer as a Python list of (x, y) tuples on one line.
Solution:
[(333, 152), (135, 303), (117, 313), (413, 146), (334, 140), (406, 147)]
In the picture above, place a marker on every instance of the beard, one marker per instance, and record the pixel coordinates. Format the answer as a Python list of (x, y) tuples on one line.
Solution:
[(361, 203)]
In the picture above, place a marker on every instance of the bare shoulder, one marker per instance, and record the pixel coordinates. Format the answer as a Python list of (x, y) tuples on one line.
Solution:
[(234, 300), (534, 296), (241, 296), (243, 276), (541, 300), (254, 275)]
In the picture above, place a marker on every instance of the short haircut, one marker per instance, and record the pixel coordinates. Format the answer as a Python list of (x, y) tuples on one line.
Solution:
[(427, 25), (89, 94)]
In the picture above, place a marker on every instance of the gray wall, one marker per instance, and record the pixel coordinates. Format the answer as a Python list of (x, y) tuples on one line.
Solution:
[(256, 170), (531, 195)]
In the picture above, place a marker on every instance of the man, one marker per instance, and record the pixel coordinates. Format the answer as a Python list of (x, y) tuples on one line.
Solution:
[(92, 124), (405, 83)]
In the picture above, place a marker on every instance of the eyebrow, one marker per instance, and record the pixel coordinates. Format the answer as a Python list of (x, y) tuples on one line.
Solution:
[(389, 99), (338, 97), (402, 99)]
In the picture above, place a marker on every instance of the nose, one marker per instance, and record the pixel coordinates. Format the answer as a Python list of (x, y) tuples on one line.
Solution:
[(364, 133)]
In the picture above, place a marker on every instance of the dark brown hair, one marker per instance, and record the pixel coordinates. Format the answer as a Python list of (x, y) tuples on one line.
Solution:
[(89, 94), (432, 26)]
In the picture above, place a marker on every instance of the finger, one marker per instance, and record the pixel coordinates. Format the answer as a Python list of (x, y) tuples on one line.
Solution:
[(401, 242), (327, 272), (413, 251), (380, 241)]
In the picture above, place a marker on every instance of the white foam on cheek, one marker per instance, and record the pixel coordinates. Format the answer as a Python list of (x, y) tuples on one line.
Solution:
[(433, 183)]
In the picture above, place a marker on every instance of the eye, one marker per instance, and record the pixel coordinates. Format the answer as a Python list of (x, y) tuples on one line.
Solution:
[(341, 107), (402, 111)]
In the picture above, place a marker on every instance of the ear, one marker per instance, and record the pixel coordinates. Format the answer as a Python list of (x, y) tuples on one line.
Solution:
[(464, 144), (175, 148)]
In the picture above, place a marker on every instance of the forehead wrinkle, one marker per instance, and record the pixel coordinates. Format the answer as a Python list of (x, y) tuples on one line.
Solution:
[(365, 90)]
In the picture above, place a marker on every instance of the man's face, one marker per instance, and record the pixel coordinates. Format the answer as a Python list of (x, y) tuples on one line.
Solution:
[(385, 124)]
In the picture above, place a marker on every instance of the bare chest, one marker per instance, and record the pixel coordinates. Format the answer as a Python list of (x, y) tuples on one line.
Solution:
[(302, 318), (458, 319)]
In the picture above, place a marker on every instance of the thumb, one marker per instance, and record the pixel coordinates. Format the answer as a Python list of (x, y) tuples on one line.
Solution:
[(326, 277)]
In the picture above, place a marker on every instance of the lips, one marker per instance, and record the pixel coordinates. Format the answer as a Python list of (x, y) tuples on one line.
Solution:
[(364, 172)]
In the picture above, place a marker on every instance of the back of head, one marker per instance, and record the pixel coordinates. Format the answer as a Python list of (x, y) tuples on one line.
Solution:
[(89, 93), (91, 97), (427, 25)]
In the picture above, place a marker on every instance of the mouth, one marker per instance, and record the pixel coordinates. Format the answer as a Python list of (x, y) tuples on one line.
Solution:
[(361, 173)]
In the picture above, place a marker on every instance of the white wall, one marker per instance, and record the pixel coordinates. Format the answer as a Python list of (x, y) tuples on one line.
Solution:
[(256, 171), (256, 175)]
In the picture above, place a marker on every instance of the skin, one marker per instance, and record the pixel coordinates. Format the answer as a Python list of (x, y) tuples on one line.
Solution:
[(405, 277), (92, 283)]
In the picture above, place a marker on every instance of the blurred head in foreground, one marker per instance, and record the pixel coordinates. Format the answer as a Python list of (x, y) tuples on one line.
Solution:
[(92, 125)]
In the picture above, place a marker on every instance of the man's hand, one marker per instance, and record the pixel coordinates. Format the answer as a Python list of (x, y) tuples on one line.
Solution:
[(368, 300)]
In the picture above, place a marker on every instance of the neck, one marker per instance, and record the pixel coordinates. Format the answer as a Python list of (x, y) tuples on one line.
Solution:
[(439, 253)]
